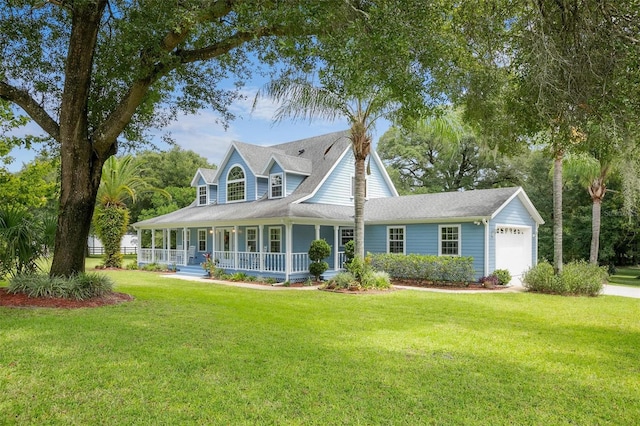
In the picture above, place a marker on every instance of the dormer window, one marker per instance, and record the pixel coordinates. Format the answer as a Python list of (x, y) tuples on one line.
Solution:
[(202, 195), (275, 186), (236, 184)]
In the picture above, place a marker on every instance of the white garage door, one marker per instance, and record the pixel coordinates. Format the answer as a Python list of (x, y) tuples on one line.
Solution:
[(513, 249)]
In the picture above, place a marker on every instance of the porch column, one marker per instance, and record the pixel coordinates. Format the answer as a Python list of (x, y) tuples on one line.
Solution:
[(153, 246), (336, 246), (317, 232), (288, 257), (235, 246), (185, 247), (139, 245), (260, 246), (213, 242)]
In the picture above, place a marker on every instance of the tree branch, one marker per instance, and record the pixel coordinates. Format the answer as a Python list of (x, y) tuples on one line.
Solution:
[(31, 107)]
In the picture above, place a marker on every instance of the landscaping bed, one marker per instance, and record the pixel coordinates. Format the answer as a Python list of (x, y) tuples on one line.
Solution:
[(22, 300)]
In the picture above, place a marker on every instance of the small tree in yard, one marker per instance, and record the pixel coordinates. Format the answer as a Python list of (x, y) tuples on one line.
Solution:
[(318, 251)]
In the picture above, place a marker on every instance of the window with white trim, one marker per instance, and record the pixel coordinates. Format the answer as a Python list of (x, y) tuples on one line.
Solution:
[(395, 239), (275, 240), (236, 184), (449, 236), (252, 239), (276, 186), (202, 240), (202, 195), (346, 235)]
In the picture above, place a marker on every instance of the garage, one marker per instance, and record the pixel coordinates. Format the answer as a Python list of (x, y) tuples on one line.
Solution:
[(513, 249)]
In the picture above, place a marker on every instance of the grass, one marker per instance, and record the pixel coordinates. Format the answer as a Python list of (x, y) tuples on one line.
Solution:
[(629, 276), (196, 353)]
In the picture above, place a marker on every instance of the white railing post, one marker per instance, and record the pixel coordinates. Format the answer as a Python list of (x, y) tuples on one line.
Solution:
[(336, 259)]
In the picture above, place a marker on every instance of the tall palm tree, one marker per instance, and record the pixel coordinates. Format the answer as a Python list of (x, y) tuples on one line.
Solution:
[(300, 99), (121, 181)]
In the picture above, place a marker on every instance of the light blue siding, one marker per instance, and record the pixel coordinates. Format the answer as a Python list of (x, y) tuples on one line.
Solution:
[(213, 194), (336, 189), (250, 180), (514, 213), (201, 181), (292, 182), (422, 238), (263, 187), (302, 237)]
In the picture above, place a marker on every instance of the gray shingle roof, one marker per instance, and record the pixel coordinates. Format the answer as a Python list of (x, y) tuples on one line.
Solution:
[(425, 207)]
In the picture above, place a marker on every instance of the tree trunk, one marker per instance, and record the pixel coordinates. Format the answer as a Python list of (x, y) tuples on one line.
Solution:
[(81, 164), (596, 191), (557, 212), (359, 200)]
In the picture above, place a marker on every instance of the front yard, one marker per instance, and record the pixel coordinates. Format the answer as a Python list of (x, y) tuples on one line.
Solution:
[(198, 353)]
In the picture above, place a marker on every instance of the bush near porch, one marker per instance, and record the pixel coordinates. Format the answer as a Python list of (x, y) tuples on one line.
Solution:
[(440, 269)]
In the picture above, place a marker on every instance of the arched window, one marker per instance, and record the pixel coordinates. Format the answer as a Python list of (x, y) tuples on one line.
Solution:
[(235, 184)]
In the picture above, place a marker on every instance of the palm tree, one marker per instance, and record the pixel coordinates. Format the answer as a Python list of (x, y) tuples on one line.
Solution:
[(121, 181), (21, 241), (302, 100)]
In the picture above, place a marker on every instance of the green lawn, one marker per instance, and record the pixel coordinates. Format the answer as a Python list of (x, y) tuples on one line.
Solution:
[(629, 276), (194, 353)]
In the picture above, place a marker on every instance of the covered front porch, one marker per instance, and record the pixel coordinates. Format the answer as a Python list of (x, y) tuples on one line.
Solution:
[(278, 251)]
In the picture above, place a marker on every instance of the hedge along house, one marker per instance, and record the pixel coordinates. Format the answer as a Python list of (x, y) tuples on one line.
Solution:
[(259, 212)]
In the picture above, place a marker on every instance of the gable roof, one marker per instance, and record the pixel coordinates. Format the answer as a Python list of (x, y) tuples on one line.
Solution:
[(479, 203), (207, 175), (290, 164)]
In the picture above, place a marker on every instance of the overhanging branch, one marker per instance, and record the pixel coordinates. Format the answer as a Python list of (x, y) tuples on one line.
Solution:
[(31, 107)]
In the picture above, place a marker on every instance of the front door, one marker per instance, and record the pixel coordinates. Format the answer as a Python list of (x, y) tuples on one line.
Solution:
[(225, 244)]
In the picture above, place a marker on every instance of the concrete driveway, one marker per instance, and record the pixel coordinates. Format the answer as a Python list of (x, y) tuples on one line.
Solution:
[(619, 290)]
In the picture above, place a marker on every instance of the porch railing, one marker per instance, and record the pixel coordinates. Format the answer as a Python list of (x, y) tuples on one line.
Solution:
[(248, 261)]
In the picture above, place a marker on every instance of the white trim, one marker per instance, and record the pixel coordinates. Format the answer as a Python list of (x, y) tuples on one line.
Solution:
[(246, 238), (206, 243), (226, 158), (526, 202), (459, 239), (385, 175), (346, 228), (324, 178), (206, 194), (404, 238), (279, 228), (486, 247), (244, 192), (282, 184)]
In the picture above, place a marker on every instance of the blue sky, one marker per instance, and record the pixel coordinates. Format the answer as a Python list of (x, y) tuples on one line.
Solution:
[(203, 135)]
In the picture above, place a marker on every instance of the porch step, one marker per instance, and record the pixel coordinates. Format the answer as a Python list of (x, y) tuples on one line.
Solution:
[(192, 271)]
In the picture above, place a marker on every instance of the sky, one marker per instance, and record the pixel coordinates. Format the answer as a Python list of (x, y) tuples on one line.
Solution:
[(201, 133)]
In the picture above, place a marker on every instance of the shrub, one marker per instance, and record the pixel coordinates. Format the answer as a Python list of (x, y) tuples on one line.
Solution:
[(424, 267), (541, 279), (577, 278), (319, 250), (503, 275), (80, 287), (349, 252), (582, 278), (342, 280), (490, 281), (155, 267), (133, 265)]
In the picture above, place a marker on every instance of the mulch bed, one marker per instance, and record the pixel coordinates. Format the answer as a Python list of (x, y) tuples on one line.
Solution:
[(446, 286), (23, 301)]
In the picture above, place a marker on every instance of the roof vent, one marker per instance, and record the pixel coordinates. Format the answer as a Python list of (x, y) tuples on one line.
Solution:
[(301, 151)]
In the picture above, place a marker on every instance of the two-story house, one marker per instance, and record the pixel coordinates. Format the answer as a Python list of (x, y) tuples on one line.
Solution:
[(260, 210)]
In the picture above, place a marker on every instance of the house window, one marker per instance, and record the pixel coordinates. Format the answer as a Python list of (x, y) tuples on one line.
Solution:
[(202, 240), (275, 239), (395, 240), (450, 240), (276, 186), (353, 186), (202, 195), (346, 235), (236, 184), (252, 239)]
